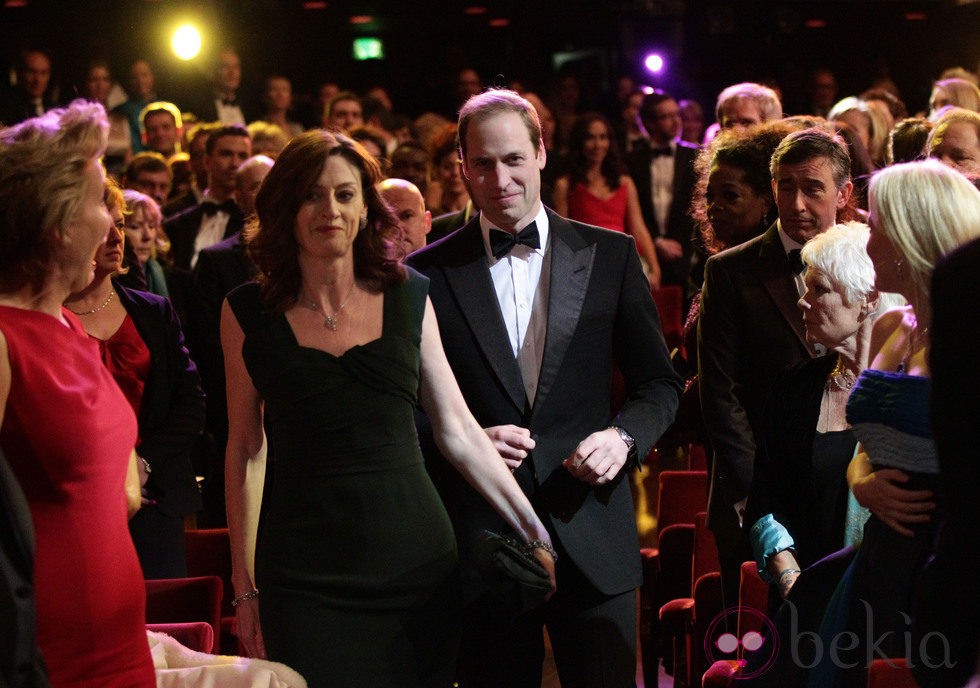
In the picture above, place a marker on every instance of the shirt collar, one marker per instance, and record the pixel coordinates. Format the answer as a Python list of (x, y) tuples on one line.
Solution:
[(788, 243), (541, 220)]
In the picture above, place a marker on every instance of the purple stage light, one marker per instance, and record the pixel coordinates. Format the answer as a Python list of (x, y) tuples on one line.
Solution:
[(654, 63)]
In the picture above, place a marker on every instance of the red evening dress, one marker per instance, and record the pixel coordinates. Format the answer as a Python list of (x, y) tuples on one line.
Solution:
[(68, 432), (609, 213)]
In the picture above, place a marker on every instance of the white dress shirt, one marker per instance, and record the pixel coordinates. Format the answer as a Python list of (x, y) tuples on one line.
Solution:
[(662, 186), (521, 281), (792, 245), (211, 231)]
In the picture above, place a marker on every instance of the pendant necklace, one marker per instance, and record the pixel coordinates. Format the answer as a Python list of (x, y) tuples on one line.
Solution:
[(112, 294), (842, 378), (330, 319)]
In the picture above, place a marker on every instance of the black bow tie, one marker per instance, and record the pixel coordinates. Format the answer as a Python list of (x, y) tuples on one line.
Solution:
[(657, 152), (795, 261), (502, 242), (210, 207)]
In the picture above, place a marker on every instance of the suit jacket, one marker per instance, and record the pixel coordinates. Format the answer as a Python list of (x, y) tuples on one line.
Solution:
[(783, 474), (171, 415), (21, 665), (955, 369), (448, 223), (183, 227), (750, 330), (219, 269), (680, 226), (600, 313)]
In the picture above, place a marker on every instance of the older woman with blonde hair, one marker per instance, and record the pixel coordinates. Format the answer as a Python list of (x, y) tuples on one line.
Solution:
[(67, 429)]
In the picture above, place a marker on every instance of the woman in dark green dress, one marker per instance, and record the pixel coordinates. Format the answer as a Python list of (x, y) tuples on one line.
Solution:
[(330, 350)]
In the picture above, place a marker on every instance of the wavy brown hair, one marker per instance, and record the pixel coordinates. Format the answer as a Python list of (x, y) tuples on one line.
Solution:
[(271, 236)]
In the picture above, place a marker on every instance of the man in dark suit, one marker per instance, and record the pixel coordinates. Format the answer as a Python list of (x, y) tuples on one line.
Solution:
[(217, 216), (222, 102), (751, 330), (31, 96), (535, 311), (664, 176), (944, 604)]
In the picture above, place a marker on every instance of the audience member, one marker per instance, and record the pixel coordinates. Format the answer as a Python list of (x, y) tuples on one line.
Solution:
[(750, 328), (197, 152), (598, 192), (32, 96), (955, 141), (823, 92), (743, 105), (141, 344), (149, 243), (539, 383), (629, 131), (67, 431), (149, 173), (222, 102), (343, 112), (411, 161), (161, 126), (267, 139), (408, 207), (367, 368), (663, 173), (448, 192), (692, 121), (865, 121), (278, 103), (907, 140), (142, 92), (217, 216), (956, 92)]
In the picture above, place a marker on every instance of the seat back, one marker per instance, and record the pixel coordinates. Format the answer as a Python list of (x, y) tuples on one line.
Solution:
[(705, 558), (182, 600), (753, 593), (681, 495), (209, 554), (890, 673), (670, 306), (195, 635)]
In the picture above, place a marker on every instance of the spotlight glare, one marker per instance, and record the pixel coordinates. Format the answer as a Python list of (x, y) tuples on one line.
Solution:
[(186, 42), (654, 63)]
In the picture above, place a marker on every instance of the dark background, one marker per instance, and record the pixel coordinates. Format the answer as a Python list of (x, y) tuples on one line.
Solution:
[(708, 43)]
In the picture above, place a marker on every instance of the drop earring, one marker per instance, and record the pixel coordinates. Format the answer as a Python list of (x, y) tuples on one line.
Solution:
[(900, 268)]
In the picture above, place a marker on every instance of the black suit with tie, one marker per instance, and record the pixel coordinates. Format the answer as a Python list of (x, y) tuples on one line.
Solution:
[(749, 332), (183, 227), (680, 226), (600, 314)]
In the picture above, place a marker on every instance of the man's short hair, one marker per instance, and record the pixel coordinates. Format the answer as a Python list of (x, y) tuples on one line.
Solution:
[(815, 142), (147, 161), (765, 98), (226, 130), (340, 97), (161, 106), (494, 102)]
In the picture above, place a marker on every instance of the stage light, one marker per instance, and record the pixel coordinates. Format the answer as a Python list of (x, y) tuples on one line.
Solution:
[(186, 42), (654, 63)]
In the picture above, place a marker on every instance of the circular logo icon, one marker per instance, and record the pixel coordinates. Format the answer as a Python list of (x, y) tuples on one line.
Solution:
[(721, 645)]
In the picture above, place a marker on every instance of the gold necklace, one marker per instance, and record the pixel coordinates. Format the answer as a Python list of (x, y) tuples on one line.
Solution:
[(330, 320), (842, 378), (112, 294)]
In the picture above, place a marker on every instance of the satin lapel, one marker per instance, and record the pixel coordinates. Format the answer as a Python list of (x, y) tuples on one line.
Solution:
[(470, 283), (571, 267), (778, 281)]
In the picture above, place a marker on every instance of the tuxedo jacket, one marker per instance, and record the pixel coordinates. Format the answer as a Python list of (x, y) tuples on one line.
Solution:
[(171, 415), (600, 314), (680, 226), (750, 330), (183, 227)]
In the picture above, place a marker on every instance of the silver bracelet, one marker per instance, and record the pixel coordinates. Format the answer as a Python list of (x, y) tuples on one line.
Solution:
[(785, 571), (146, 464), (250, 595), (541, 544)]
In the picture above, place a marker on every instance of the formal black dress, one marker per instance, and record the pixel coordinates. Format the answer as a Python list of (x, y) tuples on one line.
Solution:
[(356, 557)]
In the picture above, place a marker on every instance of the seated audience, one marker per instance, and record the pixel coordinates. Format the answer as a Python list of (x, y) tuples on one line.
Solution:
[(955, 141), (907, 140), (278, 103), (743, 105), (145, 235), (956, 92), (149, 173)]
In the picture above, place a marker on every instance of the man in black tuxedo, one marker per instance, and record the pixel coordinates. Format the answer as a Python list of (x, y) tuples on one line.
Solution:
[(535, 311), (664, 176), (217, 216), (751, 329), (222, 101)]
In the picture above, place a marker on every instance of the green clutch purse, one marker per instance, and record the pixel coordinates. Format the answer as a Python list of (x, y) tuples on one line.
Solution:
[(511, 571)]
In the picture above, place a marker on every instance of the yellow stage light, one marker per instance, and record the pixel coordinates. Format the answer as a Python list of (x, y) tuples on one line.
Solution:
[(186, 42)]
